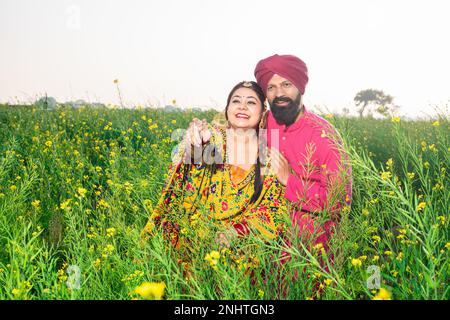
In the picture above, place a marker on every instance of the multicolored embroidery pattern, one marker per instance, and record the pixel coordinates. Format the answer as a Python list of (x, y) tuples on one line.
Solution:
[(204, 191)]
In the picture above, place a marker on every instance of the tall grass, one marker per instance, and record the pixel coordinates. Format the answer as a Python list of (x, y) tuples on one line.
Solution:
[(77, 187)]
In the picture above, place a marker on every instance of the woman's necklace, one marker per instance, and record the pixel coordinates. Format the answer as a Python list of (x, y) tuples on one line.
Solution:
[(235, 166)]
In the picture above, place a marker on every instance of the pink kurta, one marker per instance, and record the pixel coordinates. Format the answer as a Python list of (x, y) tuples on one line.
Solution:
[(320, 180)]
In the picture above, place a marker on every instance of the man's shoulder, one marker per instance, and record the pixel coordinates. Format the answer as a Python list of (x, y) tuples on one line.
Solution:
[(314, 123), (326, 138), (317, 124)]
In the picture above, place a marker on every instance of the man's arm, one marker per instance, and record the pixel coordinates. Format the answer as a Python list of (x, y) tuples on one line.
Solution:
[(325, 186)]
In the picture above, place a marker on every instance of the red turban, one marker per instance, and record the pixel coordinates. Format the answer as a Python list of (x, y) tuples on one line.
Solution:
[(286, 66)]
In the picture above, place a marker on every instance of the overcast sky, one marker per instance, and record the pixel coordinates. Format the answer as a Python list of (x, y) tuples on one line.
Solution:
[(195, 51)]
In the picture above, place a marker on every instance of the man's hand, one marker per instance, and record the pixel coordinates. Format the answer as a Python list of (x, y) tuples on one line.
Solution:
[(197, 133), (280, 166)]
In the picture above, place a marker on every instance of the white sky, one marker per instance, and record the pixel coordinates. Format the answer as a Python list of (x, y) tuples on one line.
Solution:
[(195, 51)]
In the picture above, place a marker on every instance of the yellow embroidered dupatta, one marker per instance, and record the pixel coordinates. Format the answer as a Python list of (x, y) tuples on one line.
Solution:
[(207, 190)]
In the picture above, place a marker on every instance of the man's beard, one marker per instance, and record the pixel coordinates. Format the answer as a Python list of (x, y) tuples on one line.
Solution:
[(288, 114)]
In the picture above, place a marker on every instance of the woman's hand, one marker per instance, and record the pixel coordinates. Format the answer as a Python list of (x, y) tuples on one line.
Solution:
[(197, 133)]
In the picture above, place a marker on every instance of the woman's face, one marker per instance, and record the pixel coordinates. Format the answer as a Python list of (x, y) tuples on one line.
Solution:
[(245, 109)]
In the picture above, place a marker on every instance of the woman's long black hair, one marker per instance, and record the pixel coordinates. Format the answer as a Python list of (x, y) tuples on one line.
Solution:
[(257, 182)]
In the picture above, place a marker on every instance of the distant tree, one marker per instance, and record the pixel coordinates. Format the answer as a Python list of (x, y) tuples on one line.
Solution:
[(46, 103), (377, 99)]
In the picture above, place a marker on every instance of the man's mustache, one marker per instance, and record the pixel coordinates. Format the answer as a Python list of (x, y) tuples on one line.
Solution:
[(282, 99)]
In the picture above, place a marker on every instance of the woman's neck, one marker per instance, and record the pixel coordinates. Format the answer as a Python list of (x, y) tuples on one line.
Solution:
[(242, 147)]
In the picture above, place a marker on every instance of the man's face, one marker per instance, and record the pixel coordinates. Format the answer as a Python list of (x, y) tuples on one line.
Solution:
[(284, 99)]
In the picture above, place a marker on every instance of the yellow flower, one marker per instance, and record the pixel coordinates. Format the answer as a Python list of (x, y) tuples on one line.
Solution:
[(151, 290), (81, 192), (48, 143), (97, 263), (65, 204), (389, 163), (424, 145), (438, 186), (441, 219), (356, 262), (411, 175), (103, 203), (128, 187), (385, 175), (174, 121), (318, 246), (260, 293), (395, 119), (36, 203), (447, 245), (375, 258), (107, 250), (401, 236), (15, 292), (110, 232), (436, 123), (213, 257), (421, 206), (383, 294), (328, 281)]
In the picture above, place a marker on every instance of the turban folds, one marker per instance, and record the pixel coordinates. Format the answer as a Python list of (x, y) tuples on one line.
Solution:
[(286, 66)]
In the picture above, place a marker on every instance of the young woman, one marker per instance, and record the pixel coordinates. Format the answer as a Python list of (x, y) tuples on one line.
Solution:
[(224, 187)]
